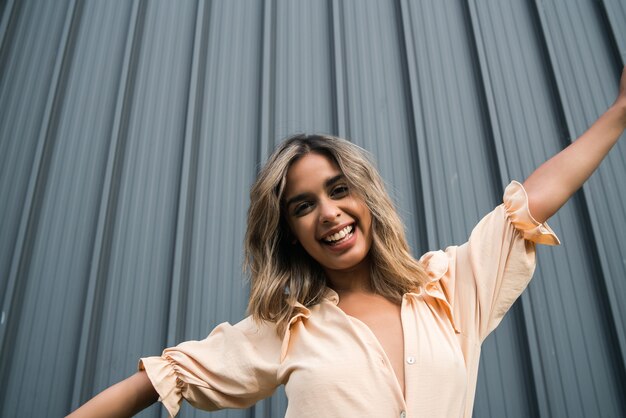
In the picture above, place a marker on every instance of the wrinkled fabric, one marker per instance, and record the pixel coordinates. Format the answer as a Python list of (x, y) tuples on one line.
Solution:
[(332, 364)]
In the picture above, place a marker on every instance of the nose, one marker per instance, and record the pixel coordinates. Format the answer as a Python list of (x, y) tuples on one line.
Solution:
[(329, 211)]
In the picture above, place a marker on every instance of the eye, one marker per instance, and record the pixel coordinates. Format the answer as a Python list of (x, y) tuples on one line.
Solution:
[(302, 208), (339, 191)]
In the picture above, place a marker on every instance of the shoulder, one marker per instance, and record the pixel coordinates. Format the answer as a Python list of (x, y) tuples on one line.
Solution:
[(436, 263)]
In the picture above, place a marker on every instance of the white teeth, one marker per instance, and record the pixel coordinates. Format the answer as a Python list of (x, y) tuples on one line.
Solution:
[(339, 235)]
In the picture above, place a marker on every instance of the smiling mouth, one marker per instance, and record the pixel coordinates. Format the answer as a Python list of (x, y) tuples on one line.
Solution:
[(339, 237)]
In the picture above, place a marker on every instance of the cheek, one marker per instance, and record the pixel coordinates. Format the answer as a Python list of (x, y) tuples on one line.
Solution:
[(368, 230), (366, 218), (302, 230)]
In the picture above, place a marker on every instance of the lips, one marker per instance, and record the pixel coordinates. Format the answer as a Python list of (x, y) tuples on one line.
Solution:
[(339, 235)]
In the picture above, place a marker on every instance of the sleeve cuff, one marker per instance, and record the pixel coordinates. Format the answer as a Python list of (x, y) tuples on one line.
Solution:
[(516, 206), (163, 377)]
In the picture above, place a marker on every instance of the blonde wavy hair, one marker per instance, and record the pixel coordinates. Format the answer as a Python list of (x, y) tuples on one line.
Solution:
[(283, 274)]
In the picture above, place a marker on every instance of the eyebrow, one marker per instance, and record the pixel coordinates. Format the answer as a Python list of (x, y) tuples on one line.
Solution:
[(303, 196)]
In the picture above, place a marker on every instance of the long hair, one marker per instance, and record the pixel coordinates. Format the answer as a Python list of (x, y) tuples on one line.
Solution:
[(283, 274)]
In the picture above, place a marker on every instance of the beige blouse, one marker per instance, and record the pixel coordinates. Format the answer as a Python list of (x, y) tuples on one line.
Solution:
[(332, 364)]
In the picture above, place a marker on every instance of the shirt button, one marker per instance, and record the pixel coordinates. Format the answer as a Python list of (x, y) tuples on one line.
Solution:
[(410, 359), (403, 414)]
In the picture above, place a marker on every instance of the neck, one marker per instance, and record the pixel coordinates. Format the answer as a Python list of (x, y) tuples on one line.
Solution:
[(355, 279)]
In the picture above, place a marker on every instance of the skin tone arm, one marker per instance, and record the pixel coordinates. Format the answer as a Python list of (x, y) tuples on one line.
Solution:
[(556, 180), (124, 399)]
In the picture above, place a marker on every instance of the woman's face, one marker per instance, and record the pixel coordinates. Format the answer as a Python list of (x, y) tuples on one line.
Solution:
[(331, 222)]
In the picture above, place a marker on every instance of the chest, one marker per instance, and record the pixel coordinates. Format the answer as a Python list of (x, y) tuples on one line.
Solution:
[(372, 355), (383, 320)]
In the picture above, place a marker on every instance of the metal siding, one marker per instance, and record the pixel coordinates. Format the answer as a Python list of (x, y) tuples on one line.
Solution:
[(302, 74), (39, 303), (130, 133), (614, 12), (28, 63)]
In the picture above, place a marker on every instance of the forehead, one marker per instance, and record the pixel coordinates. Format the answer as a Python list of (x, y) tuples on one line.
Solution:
[(310, 172)]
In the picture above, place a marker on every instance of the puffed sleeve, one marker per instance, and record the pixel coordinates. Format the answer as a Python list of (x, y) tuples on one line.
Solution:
[(480, 280), (234, 367)]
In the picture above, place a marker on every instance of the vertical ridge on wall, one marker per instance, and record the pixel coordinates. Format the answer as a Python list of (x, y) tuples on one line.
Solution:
[(28, 60), (303, 88), (82, 388), (12, 301), (267, 99), (340, 128), (8, 15), (615, 13), (16, 122), (37, 177), (423, 170), (180, 271)]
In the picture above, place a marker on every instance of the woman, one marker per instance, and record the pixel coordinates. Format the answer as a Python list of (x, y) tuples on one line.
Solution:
[(341, 313)]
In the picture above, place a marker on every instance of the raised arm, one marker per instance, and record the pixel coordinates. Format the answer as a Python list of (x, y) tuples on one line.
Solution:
[(123, 399), (556, 180)]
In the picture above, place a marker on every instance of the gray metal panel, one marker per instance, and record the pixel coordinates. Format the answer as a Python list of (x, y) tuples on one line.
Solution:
[(302, 75), (615, 13), (131, 131), (28, 63)]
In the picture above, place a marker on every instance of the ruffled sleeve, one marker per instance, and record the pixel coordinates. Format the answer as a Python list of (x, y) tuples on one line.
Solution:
[(483, 277), (234, 367), (515, 202)]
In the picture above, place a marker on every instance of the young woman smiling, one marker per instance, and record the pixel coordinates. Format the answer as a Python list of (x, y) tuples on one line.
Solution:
[(341, 313)]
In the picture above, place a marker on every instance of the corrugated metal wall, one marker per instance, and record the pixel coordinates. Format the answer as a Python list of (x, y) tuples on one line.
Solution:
[(130, 132)]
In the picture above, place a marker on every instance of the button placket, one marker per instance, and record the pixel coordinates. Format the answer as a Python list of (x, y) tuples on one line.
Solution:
[(410, 351)]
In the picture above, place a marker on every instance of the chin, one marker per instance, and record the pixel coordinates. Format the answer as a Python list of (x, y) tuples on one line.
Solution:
[(348, 264)]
